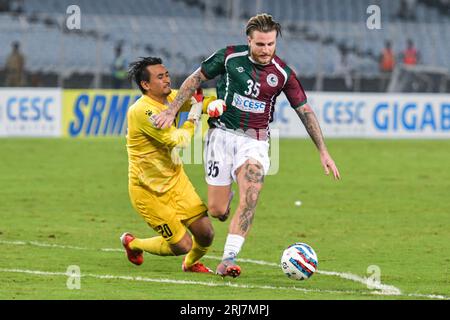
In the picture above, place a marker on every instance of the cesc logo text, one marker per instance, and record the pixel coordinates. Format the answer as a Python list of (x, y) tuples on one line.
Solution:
[(30, 109)]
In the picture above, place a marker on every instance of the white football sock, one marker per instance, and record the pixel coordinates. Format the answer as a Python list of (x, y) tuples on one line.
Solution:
[(232, 246)]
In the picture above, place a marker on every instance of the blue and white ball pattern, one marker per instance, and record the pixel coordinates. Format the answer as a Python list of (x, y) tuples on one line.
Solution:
[(299, 261)]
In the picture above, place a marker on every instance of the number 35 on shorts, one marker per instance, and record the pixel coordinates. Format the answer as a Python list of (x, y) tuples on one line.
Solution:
[(213, 169)]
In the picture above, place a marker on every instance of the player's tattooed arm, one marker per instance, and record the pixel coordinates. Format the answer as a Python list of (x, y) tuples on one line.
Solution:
[(306, 114), (187, 89), (192, 83), (309, 120)]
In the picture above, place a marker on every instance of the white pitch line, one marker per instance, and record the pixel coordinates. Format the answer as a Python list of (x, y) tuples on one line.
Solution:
[(179, 282), (51, 245), (384, 288), (201, 283), (174, 281)]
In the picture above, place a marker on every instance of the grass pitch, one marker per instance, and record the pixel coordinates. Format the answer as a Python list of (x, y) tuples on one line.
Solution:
[(64, 202)]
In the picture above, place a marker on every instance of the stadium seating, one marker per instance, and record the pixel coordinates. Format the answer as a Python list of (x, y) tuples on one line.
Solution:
[(182, 36), (155, 8)]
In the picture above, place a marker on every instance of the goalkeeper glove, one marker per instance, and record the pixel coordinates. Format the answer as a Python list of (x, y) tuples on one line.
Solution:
[(216, 108), (196, 108)]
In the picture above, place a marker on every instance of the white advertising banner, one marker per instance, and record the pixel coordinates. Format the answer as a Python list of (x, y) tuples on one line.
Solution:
[(369, 115), (30, 112), (38, 112)]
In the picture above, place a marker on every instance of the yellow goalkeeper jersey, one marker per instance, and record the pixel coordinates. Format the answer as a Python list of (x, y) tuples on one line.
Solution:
[(150, 149)]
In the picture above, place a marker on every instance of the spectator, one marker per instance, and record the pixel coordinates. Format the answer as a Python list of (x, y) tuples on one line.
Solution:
[(410, 56), (119, 69), (15, 67), (343, 67), (387, 64)]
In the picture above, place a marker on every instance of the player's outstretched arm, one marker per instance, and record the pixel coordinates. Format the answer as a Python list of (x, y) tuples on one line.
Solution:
[(192, 83), (309, 120)]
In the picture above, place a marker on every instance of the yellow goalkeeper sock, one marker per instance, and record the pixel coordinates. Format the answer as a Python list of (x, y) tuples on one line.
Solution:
[(197, 251), (155, 245)]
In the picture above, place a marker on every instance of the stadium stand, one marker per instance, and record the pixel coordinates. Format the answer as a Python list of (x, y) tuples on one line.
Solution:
[(183, 32)]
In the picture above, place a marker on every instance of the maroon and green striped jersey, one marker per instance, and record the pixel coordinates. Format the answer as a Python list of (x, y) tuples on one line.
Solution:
[(250, 89)]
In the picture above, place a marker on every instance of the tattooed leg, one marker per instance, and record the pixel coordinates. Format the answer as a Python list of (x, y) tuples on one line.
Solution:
[(250, 178)]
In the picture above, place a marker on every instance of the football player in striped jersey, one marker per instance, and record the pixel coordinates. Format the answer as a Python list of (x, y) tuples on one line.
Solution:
[(252, 76)]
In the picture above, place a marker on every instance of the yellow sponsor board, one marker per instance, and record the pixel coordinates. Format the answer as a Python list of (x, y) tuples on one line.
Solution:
[(96, 112), (88, 113)]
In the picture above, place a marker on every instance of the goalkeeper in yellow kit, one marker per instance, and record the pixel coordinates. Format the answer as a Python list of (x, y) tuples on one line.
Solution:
[(158, 186)]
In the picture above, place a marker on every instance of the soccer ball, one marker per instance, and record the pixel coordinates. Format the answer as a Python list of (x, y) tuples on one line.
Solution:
[(299, 261)]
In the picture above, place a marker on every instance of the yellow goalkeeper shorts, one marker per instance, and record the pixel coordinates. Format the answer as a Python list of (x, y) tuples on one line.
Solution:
[(171, 212)]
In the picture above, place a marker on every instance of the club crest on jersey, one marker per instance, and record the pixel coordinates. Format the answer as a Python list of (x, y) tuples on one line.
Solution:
[(240, 69), (272, 80)]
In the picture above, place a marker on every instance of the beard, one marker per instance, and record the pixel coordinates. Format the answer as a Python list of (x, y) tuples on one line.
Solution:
[(267, 58)]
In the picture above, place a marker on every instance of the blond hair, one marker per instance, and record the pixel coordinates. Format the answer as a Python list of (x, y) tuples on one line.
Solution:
[(262, 22)]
